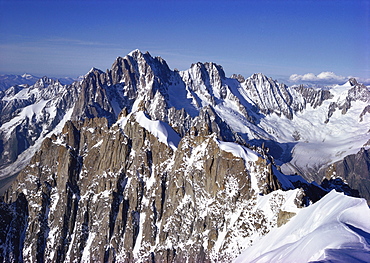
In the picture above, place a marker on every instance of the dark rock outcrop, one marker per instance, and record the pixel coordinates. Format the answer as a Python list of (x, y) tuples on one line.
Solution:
[(109, 194), (106, 187), (354, 169)]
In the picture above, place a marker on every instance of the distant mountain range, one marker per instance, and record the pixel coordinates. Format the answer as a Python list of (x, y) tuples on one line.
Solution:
[(141, 163), (6, 81)]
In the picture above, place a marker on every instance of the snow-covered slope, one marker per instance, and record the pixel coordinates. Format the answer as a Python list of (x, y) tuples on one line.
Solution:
[(320, 132), (29, 114), (335, 229), (324, 134), (299, 120), (142, 162), (159, 129), (7, 81), (306, 129)]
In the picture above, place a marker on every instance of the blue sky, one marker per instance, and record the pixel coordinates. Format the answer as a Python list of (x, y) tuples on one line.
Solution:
[(277, 38)]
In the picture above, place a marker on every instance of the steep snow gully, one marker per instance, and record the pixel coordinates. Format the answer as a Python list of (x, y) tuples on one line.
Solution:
[(142, 163)]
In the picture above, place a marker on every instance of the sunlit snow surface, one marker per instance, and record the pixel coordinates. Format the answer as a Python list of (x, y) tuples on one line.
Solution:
[(335, 229), (315, 139), (42, 112), (238, 150), (159, 129), (321, 143), (24, 158)]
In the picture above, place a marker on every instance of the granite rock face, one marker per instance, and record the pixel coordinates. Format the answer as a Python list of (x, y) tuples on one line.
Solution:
[(355, 170), (144, 163), (102, 194), (27, 115)]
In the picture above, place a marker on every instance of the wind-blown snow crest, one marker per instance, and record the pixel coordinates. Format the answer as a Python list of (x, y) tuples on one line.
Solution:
[(337, 227), (238, 150), (159, 129)]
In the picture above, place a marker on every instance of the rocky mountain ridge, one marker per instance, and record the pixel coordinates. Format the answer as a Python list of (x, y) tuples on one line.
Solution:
[(100, 193), (249, 110), (145, 163), (9, 80)]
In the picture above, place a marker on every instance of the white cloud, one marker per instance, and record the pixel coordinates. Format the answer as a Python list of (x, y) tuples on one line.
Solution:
[(326, 77)]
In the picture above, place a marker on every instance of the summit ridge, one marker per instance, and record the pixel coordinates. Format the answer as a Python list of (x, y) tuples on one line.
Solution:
[(144, 163)]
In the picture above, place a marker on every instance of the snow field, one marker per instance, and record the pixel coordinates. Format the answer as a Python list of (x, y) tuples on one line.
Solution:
[(326, 225)]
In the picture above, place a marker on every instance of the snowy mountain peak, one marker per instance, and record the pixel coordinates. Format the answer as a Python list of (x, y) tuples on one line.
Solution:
[(142, 163), (140, 68), (45, 81), (138, 55), (93, 69), (28, 76), (209, 67), (207, 77), (351, 91), (135, 53), (259, 76), (353, 81)]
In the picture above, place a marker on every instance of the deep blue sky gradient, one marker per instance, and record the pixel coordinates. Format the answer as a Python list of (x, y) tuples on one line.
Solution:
[(277, 38)]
